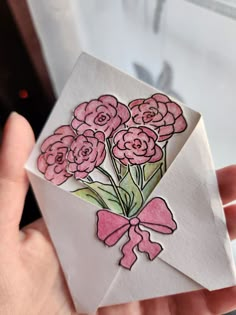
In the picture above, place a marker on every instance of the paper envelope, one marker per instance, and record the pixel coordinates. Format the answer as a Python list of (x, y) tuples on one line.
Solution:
[(194, 247)]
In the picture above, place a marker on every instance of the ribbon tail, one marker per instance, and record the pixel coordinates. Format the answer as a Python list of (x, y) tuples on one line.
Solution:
[(129, 256), (152, 249)]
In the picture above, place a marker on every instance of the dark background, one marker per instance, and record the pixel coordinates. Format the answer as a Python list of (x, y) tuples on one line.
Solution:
[(20, 87)]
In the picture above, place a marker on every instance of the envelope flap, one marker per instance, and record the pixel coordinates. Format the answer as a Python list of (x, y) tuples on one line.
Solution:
[(88, 269), (190, 188), (195, 255)]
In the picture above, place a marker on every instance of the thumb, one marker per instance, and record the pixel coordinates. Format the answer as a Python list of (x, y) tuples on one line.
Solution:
[(18, 140)]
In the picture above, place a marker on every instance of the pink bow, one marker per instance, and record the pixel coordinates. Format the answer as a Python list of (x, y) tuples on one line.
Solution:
[(155, 215)]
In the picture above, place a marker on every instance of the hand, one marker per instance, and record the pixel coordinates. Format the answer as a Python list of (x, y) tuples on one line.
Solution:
[(31, 281)]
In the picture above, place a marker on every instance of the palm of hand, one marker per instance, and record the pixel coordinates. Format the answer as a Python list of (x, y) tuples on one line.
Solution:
[(31, 281)]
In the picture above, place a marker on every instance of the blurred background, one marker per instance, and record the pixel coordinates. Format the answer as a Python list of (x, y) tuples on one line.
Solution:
[(185, 48)]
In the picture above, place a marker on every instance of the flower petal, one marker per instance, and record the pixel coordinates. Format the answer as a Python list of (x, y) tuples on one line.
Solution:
[(180, 124), (169, 119), (49, 141), (123, 113), (174, 109), (164, 138), (41, 163), (89, 133), (166, 130), (70, 157), (60, 178), (151, 133), (108, 100), (75, 123), (162, 108), (137, 160), (80, 110), (158, 155), (72, 167), (136, 102), (119, 154), (50, 159), (124, 161), (119, 136), (161, 98), (165, 133), (80, 175), (65, 130), (101, 159), (100, 136)]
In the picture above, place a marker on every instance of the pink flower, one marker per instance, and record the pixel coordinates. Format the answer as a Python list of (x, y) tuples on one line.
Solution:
[(136, 146), (104, 114), (52, 162), (160, 113), (86, 152)]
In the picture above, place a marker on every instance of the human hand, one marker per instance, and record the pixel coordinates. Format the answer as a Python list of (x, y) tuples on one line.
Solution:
[(31, 280)]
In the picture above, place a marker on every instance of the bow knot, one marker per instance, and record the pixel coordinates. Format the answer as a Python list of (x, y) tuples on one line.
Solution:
[(155, 216), (134, 221)]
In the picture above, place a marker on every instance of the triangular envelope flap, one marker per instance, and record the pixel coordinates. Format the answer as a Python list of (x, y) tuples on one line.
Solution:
[(148, 280), (200, 246), (195, 255), (88, 268)]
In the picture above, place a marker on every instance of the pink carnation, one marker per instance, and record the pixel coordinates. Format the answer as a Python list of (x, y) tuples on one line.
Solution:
[(137, 145), (104, 114), (86, 152), (160, 113), (52, 162)]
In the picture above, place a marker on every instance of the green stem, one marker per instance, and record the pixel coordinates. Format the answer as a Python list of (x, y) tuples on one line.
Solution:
[(164, 159), (89, 178), (140, 171), (114, 187), (113, 160)]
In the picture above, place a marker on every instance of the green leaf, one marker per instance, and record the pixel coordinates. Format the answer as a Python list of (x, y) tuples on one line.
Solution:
[(90, 196), (107, 193), (152, 182), (135, 173), (123, 170), (136, 198), (150, 168)]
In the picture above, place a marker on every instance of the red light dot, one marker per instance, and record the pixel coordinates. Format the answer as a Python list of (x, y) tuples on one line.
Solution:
[(23, 94)]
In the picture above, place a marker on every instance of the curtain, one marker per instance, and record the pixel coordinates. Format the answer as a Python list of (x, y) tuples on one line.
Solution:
[(185, 48)]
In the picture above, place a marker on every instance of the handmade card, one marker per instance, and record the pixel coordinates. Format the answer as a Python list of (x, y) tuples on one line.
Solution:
[(124, 178)]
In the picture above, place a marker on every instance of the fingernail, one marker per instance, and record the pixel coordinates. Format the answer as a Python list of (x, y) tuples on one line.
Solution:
[(12, 114)]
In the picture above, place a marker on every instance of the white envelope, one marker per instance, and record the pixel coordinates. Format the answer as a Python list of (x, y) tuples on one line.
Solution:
[(197, 255)]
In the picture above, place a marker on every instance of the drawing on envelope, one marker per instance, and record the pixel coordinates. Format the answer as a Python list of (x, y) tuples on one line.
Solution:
[(135, 139), (120, 164)]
